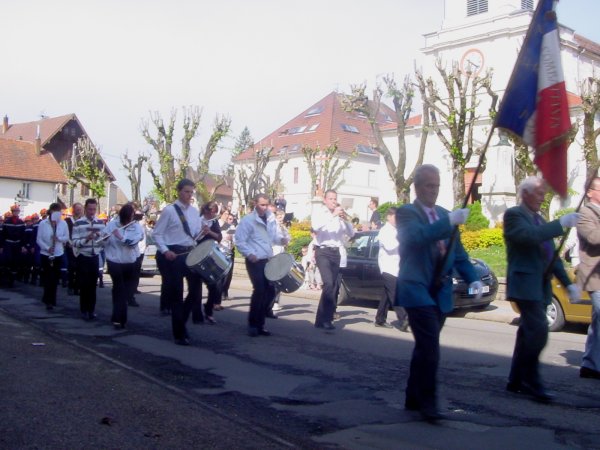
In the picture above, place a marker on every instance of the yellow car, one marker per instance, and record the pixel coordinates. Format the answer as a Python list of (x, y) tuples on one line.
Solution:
[(561, 311)]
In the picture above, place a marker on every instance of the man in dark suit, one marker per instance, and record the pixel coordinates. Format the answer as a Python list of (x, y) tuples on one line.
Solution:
[(424, 287), (529, 251)]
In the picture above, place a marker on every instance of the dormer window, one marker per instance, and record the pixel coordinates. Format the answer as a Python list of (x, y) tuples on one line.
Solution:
[(314, 111), (349, 128), (527, 4), (475, 7)]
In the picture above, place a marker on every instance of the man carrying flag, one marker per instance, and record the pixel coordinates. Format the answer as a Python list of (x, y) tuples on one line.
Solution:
[(535, 106)]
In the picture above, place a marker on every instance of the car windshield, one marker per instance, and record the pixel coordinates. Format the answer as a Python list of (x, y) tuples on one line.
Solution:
[(363, 246)]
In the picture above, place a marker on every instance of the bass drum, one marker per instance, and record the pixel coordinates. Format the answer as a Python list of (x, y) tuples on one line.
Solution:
[(284, 272), (208, 261)]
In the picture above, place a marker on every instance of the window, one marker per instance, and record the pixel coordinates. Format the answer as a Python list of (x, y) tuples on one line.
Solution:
[(314, 111), (372, 179), (25, 190), (527, 4), (475, 7), (295, 175), (296, 130), (294, 148), (313, 127), (85, 191), (349, 128), (365, 149), (283, 149)]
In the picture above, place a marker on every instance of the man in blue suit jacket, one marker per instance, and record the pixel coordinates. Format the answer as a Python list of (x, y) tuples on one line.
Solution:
[(529, 251), (424, 287)]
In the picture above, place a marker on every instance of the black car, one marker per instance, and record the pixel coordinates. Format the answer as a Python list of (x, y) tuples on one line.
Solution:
[(361, 278)]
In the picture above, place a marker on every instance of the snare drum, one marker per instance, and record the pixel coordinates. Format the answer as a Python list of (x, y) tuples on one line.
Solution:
[(208, 261), (284, 272)]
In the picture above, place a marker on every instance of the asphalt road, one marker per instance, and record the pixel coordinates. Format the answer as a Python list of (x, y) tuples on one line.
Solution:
[(73, 384)]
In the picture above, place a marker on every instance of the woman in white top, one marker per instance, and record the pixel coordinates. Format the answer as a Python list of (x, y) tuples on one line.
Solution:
[(122, 251), (52, 235)]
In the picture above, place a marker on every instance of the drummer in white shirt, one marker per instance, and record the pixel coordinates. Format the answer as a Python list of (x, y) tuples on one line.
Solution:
[(174, 235), (255, 235)]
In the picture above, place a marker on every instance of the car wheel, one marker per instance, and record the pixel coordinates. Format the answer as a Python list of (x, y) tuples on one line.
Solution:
[(343, 296), (555, 315)]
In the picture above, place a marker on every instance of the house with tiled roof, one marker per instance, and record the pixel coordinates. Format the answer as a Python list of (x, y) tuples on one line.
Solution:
[(321, 125), (31, 172)]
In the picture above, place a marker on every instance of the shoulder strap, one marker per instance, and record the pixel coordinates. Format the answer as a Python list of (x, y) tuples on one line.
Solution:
[(184, 222)]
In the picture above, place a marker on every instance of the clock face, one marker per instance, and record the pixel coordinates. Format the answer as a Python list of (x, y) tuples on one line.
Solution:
[(472, 62)]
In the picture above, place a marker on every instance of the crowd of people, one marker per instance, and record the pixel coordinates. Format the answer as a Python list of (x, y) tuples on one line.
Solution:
[(420, 247)]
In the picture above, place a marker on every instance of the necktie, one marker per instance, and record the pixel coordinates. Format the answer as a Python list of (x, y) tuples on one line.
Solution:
[(546, 246), (441, 245)]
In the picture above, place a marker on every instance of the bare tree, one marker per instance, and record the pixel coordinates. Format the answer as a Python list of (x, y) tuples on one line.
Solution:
[(87, 168), (402, 98), (252, 179), (454, 114), (590, 97), (171, 169), (134, 174), (325, 168)]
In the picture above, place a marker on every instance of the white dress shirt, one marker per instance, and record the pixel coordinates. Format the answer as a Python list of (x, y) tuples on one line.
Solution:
[(46, 233), (330, 229), (254, 237), (169, 229), (124, 250), (388, 258)]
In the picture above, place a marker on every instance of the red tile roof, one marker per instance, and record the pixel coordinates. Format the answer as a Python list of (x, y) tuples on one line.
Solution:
[(48, 128), (587, 44), (20, 161), (322, 124)]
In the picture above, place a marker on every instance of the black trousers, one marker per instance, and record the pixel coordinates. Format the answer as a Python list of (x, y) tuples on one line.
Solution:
[(51, 271), (388, 300), (123, 281), (214, 296), (426, 323), (138, 270), (173, 273), (72, 268), (87, 271), (532, 337), (165, 301), (328, 262), (227, 279), (262, 293)]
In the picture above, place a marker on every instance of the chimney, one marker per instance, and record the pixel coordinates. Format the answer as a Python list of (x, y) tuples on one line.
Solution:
[(5, 125), (38, 142)]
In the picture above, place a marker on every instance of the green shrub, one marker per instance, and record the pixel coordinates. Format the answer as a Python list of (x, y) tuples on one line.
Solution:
[(476, 220), (383, 209), (299, 239), (561, 212)]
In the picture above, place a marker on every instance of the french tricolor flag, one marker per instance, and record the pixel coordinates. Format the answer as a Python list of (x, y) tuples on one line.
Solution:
[(535, 106)]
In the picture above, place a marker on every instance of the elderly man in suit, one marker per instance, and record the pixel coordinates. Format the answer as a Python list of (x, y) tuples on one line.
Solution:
[(588, 276), (424, 286), (530, 251)]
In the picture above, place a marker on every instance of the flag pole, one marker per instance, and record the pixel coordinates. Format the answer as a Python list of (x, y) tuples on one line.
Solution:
[(437, 276), (563, 239)]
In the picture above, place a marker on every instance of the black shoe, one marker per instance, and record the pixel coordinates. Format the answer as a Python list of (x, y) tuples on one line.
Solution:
[(270, 315), (538, 393), (253, 332), (403, 326), (586, 372), (325, 325), (383, 325), (264, 332), (431, 415), (132, 302), (411, 404), (92, 316), (210, 320), (118, 326), (184, 341)]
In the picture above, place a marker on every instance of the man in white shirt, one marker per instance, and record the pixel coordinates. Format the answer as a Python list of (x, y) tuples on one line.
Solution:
[(331, 226), (388, 260), (255, 236), (174, 235)]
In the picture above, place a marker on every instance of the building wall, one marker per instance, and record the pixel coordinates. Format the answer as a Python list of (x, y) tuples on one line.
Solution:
[(40, 196)]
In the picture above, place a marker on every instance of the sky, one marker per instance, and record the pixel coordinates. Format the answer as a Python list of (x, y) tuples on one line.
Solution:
[(261, 62)]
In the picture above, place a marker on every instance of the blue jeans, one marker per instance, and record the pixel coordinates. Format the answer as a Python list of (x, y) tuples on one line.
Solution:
[(591, 356)]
